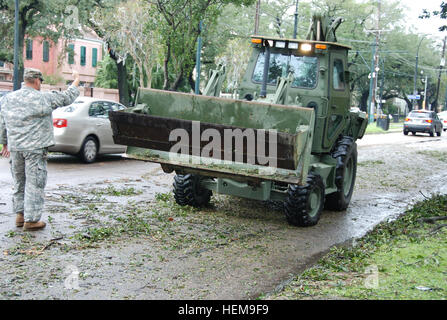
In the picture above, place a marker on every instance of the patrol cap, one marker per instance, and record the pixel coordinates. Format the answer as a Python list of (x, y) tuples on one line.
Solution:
[(31, 73)]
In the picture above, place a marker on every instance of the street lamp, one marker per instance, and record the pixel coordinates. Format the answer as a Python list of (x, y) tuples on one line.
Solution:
[(416, 66), (295, 28)]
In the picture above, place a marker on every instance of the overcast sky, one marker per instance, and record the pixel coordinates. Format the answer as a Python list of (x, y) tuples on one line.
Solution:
[(430, 26)]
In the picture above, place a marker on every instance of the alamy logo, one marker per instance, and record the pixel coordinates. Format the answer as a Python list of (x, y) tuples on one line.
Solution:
[(72, 281), (72, 21), (249, 146), (372, 279)]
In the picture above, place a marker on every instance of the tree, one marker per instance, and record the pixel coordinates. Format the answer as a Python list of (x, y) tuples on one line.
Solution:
[(130, 30), (178, 23), (50, 19)]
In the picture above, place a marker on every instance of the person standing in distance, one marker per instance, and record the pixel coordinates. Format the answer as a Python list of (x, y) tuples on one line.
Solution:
[(26, 132)]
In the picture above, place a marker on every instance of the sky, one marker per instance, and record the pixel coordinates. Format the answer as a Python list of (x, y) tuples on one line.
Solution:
[(426, 26)]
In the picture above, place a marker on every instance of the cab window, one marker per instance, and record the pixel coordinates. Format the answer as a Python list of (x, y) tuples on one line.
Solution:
[(303, 69), (338, 75)]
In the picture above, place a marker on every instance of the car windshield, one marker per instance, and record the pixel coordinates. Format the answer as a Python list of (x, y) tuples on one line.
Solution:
[(303, 69), (419, 115)]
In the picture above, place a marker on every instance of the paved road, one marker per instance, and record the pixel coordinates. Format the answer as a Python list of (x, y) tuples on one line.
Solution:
[(258, 251)]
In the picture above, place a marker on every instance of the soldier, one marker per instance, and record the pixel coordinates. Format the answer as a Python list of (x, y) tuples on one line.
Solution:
[(26, 132)]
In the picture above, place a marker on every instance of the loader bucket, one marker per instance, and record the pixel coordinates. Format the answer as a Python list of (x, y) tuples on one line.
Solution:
[(218, 137)]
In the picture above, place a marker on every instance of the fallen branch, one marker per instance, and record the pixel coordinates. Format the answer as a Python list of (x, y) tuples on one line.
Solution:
[(432, 219), (423, 195), (434, 230)]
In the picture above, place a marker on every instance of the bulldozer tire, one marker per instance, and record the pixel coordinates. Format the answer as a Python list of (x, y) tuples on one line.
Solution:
[(188, 192), (345, 153), (304, 204)]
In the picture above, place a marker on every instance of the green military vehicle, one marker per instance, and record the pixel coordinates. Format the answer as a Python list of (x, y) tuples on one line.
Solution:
[(289, 137)]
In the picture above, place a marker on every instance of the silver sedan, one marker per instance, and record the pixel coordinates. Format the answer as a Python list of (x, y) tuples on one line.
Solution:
[(83, 129)]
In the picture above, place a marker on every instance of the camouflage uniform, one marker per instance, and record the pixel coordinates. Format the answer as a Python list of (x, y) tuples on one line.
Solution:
[(26, 126)]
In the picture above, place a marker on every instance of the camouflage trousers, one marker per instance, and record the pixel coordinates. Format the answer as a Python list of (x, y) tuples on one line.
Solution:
[(29, 173)]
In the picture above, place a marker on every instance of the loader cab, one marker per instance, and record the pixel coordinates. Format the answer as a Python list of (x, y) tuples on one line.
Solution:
[(310, 74)]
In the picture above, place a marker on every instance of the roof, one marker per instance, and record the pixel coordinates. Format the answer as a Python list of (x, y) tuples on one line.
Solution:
[(90, 99), (303, 41)]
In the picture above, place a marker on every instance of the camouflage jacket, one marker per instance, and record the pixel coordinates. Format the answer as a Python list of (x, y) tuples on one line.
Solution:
[(26, 121)]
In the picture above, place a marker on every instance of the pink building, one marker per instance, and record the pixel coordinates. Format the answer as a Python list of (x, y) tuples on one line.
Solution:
[(56, 60), (6, 73)]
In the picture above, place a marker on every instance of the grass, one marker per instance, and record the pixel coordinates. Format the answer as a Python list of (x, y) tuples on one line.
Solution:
[(438, 155), (404, 259), (370, 163), (374, 129), (112, 191)]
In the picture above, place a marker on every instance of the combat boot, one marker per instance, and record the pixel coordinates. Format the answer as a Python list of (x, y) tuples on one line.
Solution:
[(20, 220), (32, 226)]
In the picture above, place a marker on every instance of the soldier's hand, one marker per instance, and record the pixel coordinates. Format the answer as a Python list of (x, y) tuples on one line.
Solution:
[(5, 151), (76, 78), (75, 74)]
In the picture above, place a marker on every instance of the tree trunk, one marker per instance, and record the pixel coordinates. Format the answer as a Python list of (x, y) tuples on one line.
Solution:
[(140, 69), (192, 82), (123, 87), (166, 67), (364, 101), (177, 82)]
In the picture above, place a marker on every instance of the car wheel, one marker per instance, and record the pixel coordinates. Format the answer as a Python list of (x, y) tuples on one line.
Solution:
[(89, 150), (406, 133)]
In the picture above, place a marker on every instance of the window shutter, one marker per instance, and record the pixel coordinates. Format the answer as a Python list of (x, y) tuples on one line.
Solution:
[(83, 55), (29, 49), (71, 54), (94, 57), (46, 51)]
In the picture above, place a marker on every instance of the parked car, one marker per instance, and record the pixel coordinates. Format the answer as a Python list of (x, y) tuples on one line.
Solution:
[(83, 129), (423, 121), (443, 117)]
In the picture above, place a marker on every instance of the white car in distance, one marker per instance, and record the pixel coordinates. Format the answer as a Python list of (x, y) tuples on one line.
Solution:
[(83, 129)]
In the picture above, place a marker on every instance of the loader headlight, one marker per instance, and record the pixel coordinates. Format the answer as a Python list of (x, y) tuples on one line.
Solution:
[(280, 44), (306, 47), (293, 45)]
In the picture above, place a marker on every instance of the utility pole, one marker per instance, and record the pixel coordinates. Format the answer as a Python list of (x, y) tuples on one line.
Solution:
[(424, 104), (16, 48), (295, 28), (198, 55), (374, 68), (415, 90), (441, 66), (258, 8), (371, 86)]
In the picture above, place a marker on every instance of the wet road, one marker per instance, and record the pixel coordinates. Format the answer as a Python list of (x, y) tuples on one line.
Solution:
[(237, 249)]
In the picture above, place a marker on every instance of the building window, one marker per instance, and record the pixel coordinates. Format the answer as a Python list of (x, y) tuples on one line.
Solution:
[(29, 49), (94, 57), (83, 56), (2, 64), (46, 51), (71, 54)]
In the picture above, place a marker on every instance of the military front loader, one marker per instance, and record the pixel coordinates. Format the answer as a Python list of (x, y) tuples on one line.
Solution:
[(290, 136)]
